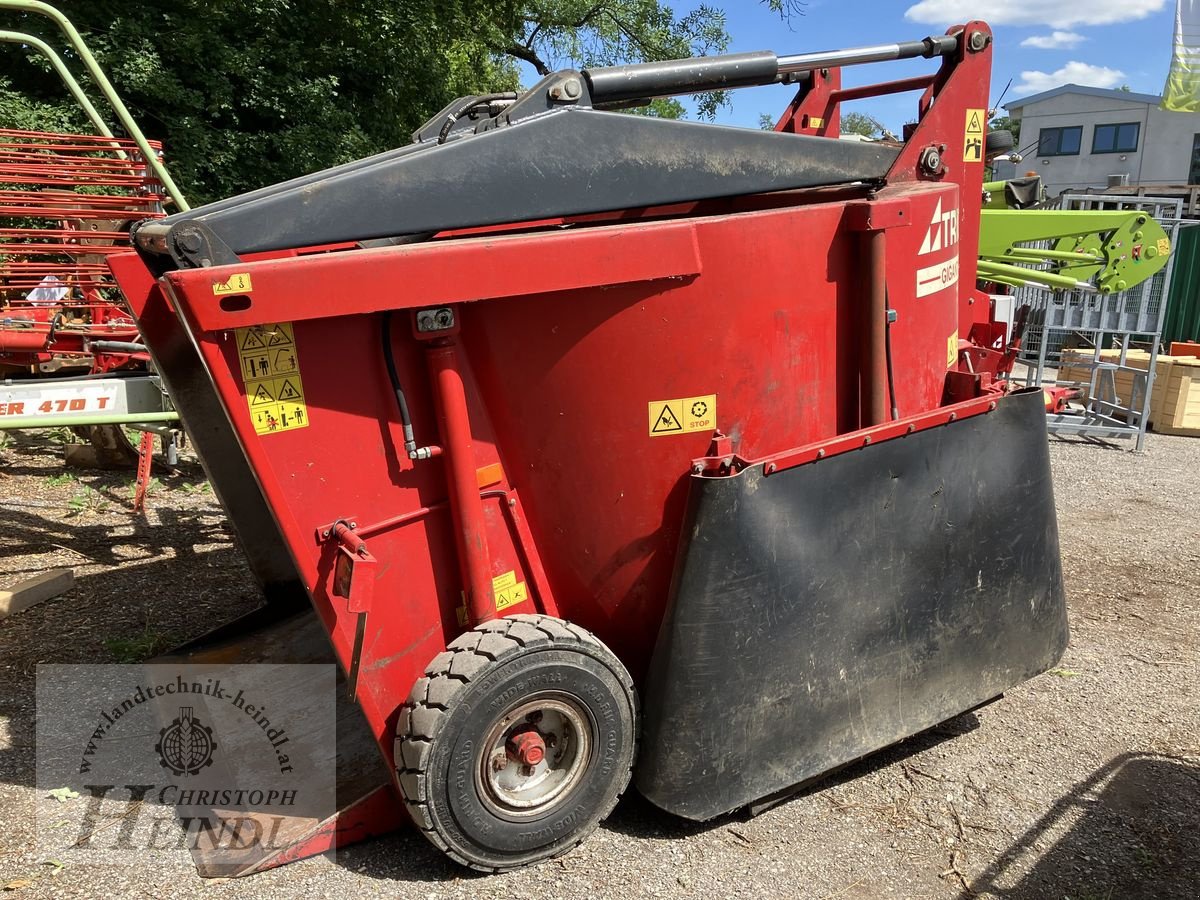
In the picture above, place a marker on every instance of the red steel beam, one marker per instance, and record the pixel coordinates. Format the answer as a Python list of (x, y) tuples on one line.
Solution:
[(466, 506)]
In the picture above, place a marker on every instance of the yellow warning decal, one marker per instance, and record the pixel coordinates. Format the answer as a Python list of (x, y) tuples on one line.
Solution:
[(973, 135), (1164, 246), (952, 349), (682, 416), (816, 122), (271, 370), (238, 283), (509, 591)]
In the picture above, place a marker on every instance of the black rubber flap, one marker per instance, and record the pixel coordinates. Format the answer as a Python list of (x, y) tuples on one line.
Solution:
[(835, 608)]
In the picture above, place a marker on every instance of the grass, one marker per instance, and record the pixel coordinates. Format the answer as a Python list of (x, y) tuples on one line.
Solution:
[(201, 488), (61, 435), (152, 487), (85, 501), (60, 479), (139, 647)]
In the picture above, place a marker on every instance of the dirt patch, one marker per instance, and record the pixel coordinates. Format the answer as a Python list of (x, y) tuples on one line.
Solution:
[(1081, 784)]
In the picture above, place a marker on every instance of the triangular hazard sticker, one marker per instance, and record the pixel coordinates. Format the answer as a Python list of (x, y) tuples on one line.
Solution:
[(252, 341), (666, 422), (975, 126), (261, 396), (278, 337), (288, 391)]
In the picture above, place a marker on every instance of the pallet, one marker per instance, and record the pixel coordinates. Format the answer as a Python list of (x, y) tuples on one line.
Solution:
[(1177, 398)]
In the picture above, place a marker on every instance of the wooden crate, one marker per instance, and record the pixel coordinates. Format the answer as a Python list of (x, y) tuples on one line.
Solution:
[(1177, 397), (1076, 365)]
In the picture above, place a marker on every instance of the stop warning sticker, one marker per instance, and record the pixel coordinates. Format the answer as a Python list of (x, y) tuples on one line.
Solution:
[(682, 416)]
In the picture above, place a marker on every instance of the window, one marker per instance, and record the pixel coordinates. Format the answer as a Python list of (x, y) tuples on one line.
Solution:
[(1122, 138), (1060, 141), (1194, 171)]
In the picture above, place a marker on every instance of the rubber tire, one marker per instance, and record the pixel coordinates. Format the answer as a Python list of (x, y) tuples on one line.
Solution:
[(451, 708)]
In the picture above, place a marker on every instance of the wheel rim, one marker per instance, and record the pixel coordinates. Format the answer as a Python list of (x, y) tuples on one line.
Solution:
[(511, 780)]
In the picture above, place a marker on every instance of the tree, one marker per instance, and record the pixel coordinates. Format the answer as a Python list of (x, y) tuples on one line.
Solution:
[(554, 34), (861, 123), (245, 93)]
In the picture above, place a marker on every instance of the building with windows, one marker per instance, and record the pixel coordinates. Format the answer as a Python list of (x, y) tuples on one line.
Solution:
[(1079, 137)]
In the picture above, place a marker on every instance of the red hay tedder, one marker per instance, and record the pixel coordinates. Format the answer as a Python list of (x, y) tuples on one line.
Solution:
[(66, 203), (613, 446)]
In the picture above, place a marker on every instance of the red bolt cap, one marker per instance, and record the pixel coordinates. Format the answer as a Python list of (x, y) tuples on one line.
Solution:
[(527, 747)]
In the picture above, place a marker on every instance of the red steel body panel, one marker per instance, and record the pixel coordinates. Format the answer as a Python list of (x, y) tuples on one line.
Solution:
[(557, 385)]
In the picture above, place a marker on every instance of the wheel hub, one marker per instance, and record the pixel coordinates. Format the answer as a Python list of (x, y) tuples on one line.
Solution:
[(533, 755)]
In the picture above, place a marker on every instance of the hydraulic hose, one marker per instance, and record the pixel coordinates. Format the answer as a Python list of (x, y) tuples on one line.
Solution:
[(887, 351), (471, 103), (389, 358)]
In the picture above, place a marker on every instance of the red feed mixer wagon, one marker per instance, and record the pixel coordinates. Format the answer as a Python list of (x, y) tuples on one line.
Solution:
[(610, 446)]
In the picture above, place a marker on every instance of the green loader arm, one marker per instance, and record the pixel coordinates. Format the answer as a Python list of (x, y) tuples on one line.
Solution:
[(1104, 250)]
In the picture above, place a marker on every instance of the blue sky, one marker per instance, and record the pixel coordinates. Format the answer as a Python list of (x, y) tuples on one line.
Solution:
[(1039, 44)]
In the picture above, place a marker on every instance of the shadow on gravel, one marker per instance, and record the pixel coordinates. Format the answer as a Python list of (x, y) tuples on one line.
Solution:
[(40, 453), (1089, 441), (406, 856), (1133, 836), (637, 817)]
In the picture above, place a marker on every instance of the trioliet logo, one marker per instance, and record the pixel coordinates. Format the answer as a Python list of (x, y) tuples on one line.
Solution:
[(942, 232)]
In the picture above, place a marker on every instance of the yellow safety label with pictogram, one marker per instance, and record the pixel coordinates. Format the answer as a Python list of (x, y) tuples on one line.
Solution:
[(682, 416), (973, 135), (238, 283), (270, 368), (509, 591)]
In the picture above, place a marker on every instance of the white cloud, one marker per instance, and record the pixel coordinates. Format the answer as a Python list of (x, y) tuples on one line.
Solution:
[(1032, 12), (1034, 82), (1054, 40)]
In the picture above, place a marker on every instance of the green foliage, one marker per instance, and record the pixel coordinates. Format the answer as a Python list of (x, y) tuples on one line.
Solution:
[(766, 121), (861, 123), (552, 34), (153, 486), (555, 34), (787, 8), (139, 647), (86, 500), (200, 487), (660, 108), (245, 93), (18, 110)]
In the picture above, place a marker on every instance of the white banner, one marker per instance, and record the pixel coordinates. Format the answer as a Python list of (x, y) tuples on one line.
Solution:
[(1182, 93)]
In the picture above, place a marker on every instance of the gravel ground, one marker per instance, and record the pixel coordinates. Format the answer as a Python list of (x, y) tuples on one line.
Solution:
[(1080, 784)]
